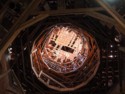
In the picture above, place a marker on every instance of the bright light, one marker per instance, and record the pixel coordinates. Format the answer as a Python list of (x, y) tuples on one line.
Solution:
[(25, 48), (10, 50), (111, 46), (116, 39), (111, 56)]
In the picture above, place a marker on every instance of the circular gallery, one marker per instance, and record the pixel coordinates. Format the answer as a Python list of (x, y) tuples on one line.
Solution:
[(65, 57)]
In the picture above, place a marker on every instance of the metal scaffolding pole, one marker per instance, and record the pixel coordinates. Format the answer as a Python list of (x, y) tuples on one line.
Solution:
[(69, 11), (22, 27), (114, 14), (120, 26), (13, 31)]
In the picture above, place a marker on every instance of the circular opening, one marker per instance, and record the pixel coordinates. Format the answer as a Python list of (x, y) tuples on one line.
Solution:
[(64, 57), (65, 50)]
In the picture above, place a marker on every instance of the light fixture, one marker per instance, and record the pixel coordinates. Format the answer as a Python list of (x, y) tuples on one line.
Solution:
[(111, 56)]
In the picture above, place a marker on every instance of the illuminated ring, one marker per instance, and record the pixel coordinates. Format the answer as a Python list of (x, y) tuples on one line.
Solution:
[(65, 58)]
